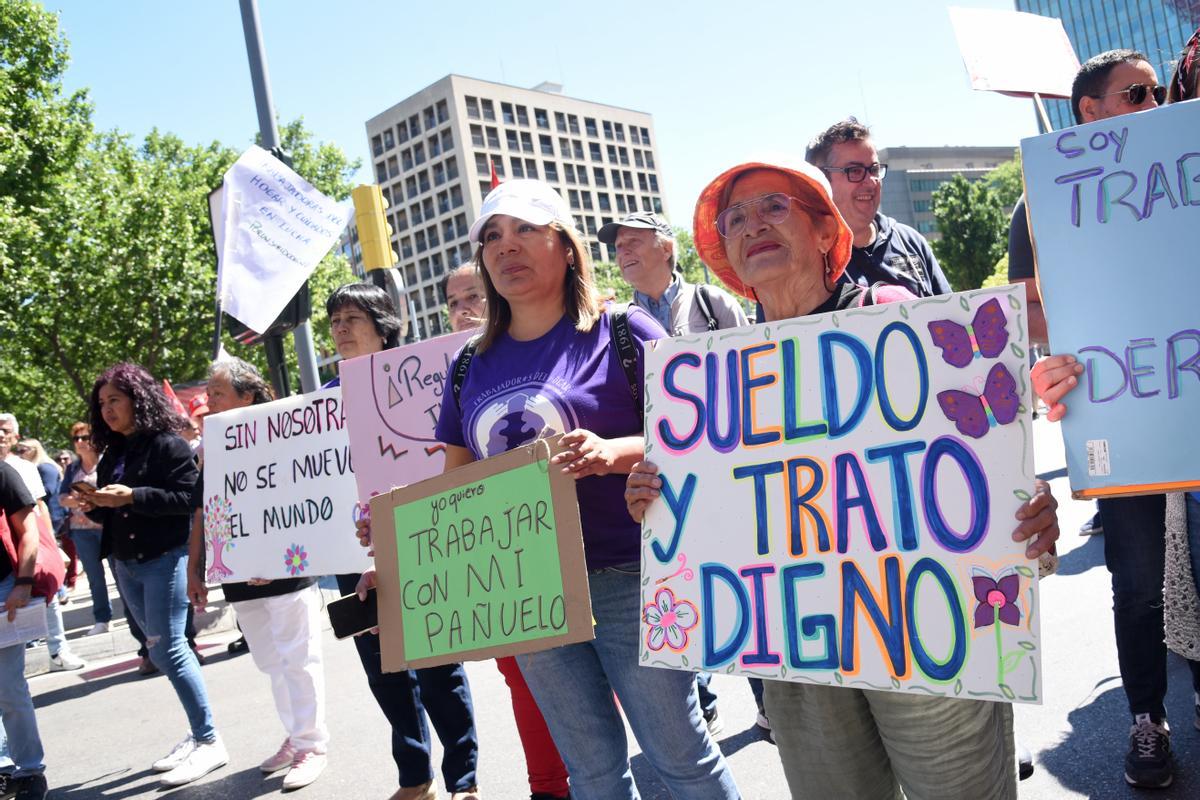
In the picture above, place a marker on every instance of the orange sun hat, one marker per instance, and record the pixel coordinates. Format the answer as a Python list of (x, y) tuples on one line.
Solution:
[(710, 244)]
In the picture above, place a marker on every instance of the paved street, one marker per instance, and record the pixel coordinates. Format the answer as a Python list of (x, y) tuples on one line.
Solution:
[(104, 726)]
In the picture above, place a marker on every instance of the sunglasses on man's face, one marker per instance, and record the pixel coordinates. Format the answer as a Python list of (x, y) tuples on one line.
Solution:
[(80, 438), (1135, 93)]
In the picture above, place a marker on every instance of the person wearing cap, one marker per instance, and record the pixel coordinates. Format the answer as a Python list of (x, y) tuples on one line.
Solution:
[(546, 361), (884, 251), (646, 254), (772, 232)]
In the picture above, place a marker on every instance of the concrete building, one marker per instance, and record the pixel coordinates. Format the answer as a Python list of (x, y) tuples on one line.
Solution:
[(915, 172), (1159, 28), (432, 154)]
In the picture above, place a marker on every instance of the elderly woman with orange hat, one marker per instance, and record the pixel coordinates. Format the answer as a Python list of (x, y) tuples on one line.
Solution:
[(772, 233)]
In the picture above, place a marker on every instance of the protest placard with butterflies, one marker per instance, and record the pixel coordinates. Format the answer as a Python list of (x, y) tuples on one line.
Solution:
[(839, 493)]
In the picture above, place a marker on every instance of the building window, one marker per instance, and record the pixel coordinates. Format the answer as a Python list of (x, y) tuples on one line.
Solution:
[(589, 125), (511, 138), (598, 174), (414, 211), (646, 204), (443, 202), (464, 253), (439, 174), (427, 207), (430, 119), (401, 221), (443, 111), (608, 130), (419, 153), (569, 170), (451, 167), (518, 170), (493, 138), (612, 154), (573, 198), (461, 226), (484, 188), (522, 116), (657, 203), (605, 203), (507, 115), (422, 246), (577, 149), (481, 164), (621, 203), (472, 107), (434, 240), (447, 140), (389, 139), (551, 171), (624, 156), (637, 158), (541, 118), (546, 144), (456, 196), (564, 146), (406, 158), (573, 122), (381, 172), (489, 111), (402, 129), (645, 137), (477, 135), (410, 272), (423, 180), (620, 129), (586, 197), (448, 230), (642, 184), (560, 122), (414, 125), (526, 142), (654, 183), (927, 226), (616, 176), (589, 223), (595, 248), (594, 151), (581, 171), (410, 187), (649, 160), (531, 168), (435, 146)]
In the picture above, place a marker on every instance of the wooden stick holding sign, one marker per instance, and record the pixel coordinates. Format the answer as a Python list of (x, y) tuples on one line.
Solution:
[(481, 562)]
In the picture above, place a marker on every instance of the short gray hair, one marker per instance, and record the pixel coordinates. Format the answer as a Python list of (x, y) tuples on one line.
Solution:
[(662, 238), (12, 418), (244, 378)]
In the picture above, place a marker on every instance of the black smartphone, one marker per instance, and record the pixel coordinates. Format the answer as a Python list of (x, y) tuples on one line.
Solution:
[(348, 615), (82, 487)]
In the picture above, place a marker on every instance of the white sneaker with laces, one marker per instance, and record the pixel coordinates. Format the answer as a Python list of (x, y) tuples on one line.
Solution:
[(306, 768), (174, 758), (204, 758), (283, 758), (66, 661), (97, 629)]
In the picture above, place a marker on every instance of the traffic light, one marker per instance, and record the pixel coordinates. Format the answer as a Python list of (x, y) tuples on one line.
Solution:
[(374, 234)]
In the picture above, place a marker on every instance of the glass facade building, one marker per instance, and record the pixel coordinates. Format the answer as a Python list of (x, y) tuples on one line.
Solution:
[(1158, 28)]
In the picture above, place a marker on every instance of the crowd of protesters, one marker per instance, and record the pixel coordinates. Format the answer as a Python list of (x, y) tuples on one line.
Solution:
[(796, 237)]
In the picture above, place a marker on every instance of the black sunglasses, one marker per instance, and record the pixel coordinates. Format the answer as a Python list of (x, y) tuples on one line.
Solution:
[(1135, 93), (80, 438)]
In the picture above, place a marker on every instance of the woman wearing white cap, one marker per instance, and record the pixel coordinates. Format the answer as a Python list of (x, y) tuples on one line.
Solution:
[(772, 233), (545, 362)]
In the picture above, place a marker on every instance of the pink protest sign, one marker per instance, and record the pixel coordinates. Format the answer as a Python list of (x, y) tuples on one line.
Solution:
[(1015, 53), (392, 399)]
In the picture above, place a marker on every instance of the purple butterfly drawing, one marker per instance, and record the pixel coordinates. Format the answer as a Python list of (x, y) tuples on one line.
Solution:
[(985, 336), (974, 414)]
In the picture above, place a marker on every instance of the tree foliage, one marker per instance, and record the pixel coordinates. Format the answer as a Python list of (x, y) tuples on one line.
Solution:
[(106, 251), (973, 225), (1006, 181)]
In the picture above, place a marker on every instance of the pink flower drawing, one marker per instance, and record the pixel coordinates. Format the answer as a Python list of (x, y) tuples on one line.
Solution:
[(668, 621), (296, 559)]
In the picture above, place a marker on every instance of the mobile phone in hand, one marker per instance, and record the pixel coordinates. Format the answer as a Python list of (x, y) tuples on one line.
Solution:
[(350, 616), (83, 487)]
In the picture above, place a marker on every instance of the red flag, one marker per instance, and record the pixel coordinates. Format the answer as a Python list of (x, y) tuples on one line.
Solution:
[(170, 393), (495, 180)]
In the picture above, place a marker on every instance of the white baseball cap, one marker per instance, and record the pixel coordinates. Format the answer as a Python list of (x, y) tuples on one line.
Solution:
[(523, 198)]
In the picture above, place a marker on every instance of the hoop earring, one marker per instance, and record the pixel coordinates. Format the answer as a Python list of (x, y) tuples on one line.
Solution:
[(828, 269), (826, 279)]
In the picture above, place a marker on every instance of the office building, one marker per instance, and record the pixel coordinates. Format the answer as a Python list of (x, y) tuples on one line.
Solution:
[(1158, 28), (915, 172), (433, 153)]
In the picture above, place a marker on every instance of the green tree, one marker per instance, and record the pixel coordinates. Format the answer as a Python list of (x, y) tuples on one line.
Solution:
[(106, 251), (972, 222), (1006, 181)]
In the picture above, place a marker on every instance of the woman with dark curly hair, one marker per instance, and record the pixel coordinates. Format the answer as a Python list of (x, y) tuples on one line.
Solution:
[(146, 473)]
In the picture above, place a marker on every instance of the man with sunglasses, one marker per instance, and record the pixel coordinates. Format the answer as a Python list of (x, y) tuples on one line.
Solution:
[(885, 251), (1109, 85)]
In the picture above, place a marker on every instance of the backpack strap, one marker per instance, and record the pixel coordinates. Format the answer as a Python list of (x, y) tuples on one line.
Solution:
[(705, 303), (867, 298), (622, 341), (458, 373)]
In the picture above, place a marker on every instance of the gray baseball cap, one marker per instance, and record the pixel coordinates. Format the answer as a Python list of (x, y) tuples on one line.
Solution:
[(638, 219)]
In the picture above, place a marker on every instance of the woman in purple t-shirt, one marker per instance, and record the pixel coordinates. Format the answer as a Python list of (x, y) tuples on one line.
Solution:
[(544, 363)]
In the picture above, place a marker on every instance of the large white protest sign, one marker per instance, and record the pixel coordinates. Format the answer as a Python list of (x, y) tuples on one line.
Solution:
[(1015, 53), (279, 492), (276, 228), (839, 494)]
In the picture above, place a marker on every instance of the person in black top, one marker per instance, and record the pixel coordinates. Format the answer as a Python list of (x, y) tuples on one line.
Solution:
[(279, 618), (16, 586), (146, 473)]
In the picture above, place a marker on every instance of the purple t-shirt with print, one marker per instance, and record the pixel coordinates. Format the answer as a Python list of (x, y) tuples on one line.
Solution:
[(561, 381)]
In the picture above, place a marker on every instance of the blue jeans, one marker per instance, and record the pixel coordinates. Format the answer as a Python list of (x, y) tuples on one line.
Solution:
[(23, 745), (406, 697), (87, 544), (1135, 554), (574, 686), (156, 593)]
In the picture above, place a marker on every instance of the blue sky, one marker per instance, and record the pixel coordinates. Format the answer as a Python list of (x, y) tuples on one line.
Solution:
[(722, 79)]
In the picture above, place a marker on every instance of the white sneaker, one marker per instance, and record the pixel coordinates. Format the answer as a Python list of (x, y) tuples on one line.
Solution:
[(283, 758), (97, 629), (174, 758), (306, 768), (66, 661), (204, 758)]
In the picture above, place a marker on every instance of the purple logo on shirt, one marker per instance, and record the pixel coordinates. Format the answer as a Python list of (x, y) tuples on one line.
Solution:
[(519, 416)]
